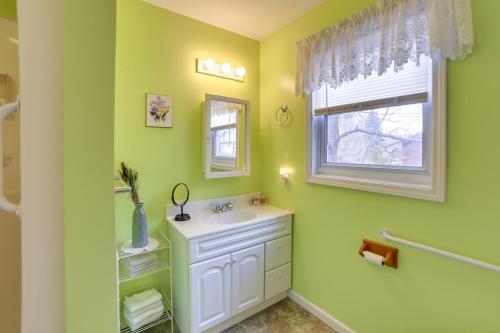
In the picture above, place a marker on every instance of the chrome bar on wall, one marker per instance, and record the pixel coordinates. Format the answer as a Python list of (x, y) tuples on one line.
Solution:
[(5, 204), (121, 189), (475, 262)]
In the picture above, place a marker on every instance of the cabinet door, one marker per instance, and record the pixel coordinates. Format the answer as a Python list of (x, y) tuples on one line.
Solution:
[(210, 292), (247, 278)]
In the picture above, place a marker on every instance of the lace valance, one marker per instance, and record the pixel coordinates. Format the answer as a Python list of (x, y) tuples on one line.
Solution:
[(390, 32)]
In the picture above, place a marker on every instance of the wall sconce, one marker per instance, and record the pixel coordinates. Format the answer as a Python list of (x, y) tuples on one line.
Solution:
[(285, 173), (225, 70)]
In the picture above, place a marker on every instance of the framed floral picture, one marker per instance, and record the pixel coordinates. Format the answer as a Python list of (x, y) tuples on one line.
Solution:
[(159, 111)]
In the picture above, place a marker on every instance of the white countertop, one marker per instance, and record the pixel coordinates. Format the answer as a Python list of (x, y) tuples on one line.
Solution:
[(205, 222)]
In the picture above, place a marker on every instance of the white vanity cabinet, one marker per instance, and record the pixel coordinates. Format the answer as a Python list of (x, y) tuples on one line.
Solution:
[(226, 286), (224, 277), (210, 292), (247, 277)]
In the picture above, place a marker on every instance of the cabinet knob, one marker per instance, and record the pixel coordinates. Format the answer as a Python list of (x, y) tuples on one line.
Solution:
[(235, 261), (280, 275), (280, 246)]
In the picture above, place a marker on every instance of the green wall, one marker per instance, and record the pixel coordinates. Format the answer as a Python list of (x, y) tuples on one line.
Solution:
[(427, 293), (156, 51), (89, 62), (8, 9)]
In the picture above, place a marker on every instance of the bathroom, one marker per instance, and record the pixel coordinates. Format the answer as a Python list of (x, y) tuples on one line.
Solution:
[(103, 58)]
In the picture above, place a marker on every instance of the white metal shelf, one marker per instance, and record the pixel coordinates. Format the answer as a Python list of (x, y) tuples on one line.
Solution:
[(162, 268), (163, 319), (159, 236)]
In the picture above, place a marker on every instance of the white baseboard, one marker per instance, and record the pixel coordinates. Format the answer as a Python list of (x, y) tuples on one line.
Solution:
[(321, 314)]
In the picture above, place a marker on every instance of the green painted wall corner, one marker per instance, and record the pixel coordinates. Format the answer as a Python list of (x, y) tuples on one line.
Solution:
[(8, 9)]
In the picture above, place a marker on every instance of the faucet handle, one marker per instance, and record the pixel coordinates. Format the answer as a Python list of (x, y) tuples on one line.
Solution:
[(216, 207)]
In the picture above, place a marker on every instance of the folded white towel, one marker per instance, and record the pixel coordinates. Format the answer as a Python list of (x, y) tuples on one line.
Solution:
[(142, 310), (147, 264), (146, 321), (135, 320), (136, 270), (136, 261), (141, 300)]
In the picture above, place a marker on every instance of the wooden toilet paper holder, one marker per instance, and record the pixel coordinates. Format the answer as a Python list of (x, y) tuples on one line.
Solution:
[(388, 252)]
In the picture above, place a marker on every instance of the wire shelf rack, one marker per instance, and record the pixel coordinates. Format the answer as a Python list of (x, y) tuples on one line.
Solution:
[(163, 319), (161, 268)]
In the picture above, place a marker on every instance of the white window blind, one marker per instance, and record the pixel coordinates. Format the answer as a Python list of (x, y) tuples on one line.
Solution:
[(407, 86)]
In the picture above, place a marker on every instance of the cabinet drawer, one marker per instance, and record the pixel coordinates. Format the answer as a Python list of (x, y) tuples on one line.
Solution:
[(278, 252), (278, 280), (229, 241)]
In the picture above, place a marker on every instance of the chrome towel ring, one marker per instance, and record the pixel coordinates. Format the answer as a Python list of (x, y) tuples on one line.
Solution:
[(282, 115)]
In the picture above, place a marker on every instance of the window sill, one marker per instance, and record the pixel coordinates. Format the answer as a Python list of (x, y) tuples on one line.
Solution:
[(409, 190)]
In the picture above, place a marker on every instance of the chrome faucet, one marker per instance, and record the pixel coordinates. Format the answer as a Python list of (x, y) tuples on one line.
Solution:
[(216, 207), (222, 208), (227, 207)]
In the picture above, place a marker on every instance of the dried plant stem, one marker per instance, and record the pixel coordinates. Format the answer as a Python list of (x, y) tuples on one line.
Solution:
[(130, 176)]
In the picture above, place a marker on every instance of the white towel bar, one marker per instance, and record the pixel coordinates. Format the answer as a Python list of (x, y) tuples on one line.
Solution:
[(121, 189), (5, 204), (482, 264)]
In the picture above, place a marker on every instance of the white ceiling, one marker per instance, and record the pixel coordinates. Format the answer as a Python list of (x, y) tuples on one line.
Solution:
[(256, 19)]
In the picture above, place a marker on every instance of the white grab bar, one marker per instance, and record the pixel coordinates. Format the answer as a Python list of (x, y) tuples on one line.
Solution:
[(482, 264), (5, 204)]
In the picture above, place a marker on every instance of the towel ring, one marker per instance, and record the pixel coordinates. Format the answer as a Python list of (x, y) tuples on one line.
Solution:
[(282, 114)]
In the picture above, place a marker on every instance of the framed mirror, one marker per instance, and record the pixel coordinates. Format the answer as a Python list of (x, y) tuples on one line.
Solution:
[(227, 137), (180, 197)]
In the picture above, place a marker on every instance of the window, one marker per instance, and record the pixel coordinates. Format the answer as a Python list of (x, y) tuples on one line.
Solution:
[(381, 133), (225, 142), (223, 127)]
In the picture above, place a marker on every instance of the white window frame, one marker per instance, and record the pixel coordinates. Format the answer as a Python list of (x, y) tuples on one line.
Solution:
[(225, 163), (427, 183), (214, 144)]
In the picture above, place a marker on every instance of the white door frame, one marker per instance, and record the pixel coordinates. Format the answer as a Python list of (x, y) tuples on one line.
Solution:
[(41, 91)]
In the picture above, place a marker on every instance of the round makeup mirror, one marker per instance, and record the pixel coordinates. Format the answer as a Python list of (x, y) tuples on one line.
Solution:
[(180, 196)]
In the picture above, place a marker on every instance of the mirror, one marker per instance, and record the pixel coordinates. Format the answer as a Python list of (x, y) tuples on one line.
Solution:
[(227, 137), (180, 197)]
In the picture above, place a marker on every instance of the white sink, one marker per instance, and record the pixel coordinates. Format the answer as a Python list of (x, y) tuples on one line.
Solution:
[(205, 222), (235, 216)]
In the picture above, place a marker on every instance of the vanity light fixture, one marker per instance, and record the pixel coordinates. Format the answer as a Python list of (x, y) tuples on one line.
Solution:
[(241, 71), (285, 173), (224, 70), (209, 64)]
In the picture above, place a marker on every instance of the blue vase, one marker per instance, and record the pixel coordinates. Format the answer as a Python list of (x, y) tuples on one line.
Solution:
[(139, 227)]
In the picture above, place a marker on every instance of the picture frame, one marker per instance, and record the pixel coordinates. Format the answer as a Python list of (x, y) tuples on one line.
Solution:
[(159, 111)]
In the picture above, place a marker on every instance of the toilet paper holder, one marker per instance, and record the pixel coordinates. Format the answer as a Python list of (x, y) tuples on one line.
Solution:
[(389, 253)]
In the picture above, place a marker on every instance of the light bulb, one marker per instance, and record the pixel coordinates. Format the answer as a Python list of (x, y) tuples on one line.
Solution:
[(240, 71), (284, 171), (285, 174), (209, 64), (225, 68)]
